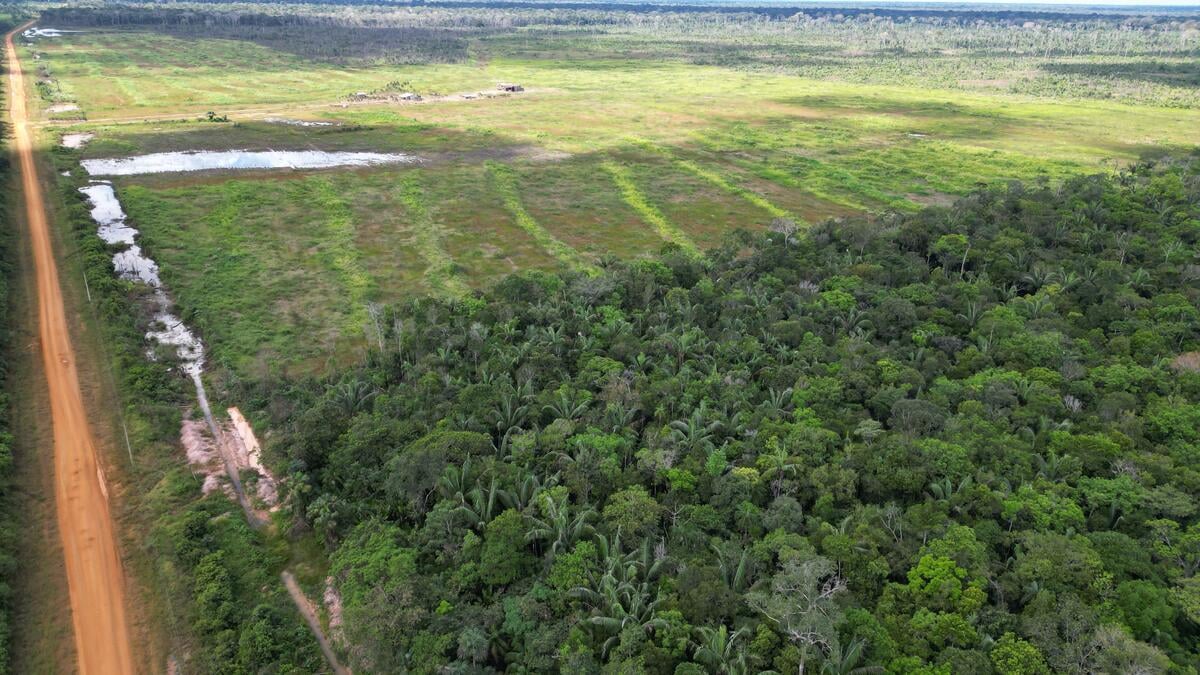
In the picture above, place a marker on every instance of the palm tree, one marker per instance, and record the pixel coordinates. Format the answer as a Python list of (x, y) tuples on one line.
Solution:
[(456, 482), (778, 465), (508, 417), (694, 432), (777, 402), (846, 661), (719, 650), (479, 507), (559, 527), (623, 606), (526, 491), (354, 396), (735, 573), (568, 407)]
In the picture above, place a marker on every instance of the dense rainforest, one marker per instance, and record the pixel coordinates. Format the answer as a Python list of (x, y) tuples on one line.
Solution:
[(960, 440)]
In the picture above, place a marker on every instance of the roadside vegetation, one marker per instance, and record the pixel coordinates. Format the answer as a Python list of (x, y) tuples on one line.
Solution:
[(9, 503), (957, 440), (213, 579)]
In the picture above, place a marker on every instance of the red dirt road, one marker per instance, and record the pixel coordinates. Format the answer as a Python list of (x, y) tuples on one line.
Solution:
[(95, 576)]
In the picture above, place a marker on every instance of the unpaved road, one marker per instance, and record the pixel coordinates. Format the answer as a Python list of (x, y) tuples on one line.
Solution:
[(306, 609), (95, 577)]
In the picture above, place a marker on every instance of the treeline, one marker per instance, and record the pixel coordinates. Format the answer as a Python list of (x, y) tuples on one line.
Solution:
[(961, 15), (214, 579), (956, 441), (1141, 59)]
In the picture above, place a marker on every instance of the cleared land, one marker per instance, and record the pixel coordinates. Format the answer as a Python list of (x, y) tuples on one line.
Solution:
[(608, 151)]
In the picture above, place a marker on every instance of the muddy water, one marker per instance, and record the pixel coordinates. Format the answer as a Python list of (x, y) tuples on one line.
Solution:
[(233, 160), (288, 121), (77, 140), (168, 329)]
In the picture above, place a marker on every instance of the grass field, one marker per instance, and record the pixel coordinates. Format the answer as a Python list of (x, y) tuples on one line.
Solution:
[(603, 154)]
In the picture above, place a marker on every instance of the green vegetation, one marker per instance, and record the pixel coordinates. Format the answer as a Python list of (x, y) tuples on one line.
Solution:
[(649, 212), (215, 577), (9, 530), (338, 246), (441, 275), (506, 186), (959, 440), (739, 120), (720, 181), (518, 182), (735, 343)]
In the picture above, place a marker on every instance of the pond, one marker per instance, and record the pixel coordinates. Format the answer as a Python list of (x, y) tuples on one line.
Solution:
[(235, 160)]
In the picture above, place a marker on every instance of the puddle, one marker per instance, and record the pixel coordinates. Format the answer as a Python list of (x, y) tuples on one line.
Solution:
[(62, 108), (132, 264), (38, 32), (297, 123), (76, 140), (169, 330), (176, 162), (107, 213)]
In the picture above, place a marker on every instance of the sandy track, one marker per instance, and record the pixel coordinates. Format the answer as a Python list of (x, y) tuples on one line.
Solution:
[(309, 612), (95, 577)]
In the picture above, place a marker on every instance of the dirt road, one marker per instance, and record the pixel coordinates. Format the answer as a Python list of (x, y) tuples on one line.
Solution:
[(95, 577), (309, 612)]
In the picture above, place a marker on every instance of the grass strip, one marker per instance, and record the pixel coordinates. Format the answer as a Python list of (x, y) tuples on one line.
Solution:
[(440, 275), (341, 253), (505, 181), (634, 197)]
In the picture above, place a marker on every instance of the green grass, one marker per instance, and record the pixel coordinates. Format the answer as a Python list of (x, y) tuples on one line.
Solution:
[(340, 253), (505, 181), (441, 274), (634, 196), (278, 267)]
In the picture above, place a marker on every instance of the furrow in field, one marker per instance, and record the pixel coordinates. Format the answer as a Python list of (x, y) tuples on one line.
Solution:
[(636, 199), (720, 182), (440, 275), (505, 181), (341, 253)]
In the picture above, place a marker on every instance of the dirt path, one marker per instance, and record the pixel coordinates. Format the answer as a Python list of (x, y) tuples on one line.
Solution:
[(95, 578), (305, 606)]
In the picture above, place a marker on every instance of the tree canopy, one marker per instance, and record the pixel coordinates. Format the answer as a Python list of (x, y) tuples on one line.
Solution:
[(958, 440)]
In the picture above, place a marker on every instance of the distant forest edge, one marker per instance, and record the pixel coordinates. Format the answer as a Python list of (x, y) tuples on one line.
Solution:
[(961, 14), (1129, 58)]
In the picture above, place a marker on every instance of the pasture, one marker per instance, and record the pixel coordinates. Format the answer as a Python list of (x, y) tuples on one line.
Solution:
[(608, 152)]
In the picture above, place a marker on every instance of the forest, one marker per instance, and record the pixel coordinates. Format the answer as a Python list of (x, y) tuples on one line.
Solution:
[(956, 440), (739, 340)]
